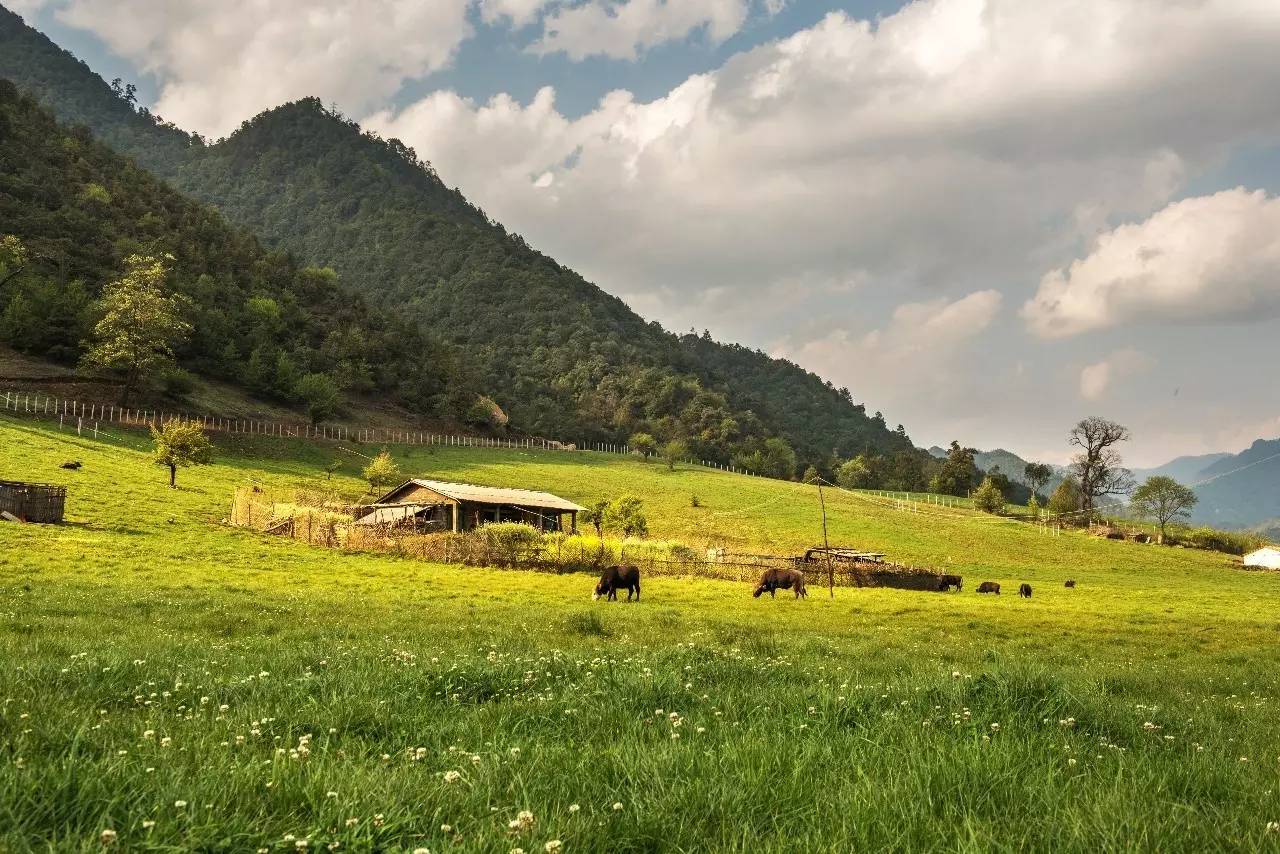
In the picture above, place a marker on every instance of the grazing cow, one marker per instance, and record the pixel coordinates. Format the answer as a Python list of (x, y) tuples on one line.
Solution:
[(73, 465), (989, 587), (948, 581), (616, 577), (787, 579), (1024, 591), (1071, 583)]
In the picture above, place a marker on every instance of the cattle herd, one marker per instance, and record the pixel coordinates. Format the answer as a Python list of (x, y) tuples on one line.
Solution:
[(617, 578)]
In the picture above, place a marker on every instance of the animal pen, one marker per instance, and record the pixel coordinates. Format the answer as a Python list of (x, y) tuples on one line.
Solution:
[(32, 502), (319, 520)]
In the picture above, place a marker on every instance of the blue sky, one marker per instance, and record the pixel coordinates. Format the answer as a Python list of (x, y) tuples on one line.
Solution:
[(987, 218)]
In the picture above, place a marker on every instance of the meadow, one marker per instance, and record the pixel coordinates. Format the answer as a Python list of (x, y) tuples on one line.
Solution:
[(168, 682)]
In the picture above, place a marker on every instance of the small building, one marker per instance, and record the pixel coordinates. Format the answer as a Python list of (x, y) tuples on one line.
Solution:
[(32, 502), (1267, 557), (436, 505)]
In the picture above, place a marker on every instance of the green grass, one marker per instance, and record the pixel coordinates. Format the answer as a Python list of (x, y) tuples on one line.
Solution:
[(859, 722)]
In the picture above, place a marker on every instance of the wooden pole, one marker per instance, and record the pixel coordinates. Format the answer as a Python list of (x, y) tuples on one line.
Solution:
[(831, 573)]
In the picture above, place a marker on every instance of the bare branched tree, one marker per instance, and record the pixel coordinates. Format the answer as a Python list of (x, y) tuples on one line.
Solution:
[(1097, 466)]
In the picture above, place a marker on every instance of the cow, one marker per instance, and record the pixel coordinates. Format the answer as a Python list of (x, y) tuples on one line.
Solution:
[(787, 579), (1071, 584), (989, 587), (946, 582), (1024, 591), (616, 577), (72, 464)]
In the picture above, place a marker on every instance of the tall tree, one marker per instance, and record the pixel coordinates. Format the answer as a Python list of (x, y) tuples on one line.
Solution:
[(957, 473), (1098, 465), (140, 324), (1036, 476), (180, 444), (1163, 499)]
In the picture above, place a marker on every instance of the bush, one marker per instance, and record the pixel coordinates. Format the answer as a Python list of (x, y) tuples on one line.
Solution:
[(988, 497), (507, 543), (643, 444), (320, 394), (382, 471), (178, 383), (1211, 539)]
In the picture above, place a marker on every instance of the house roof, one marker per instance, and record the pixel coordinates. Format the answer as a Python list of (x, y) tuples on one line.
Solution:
[(1265, 550), (486, 495), (389, 515)]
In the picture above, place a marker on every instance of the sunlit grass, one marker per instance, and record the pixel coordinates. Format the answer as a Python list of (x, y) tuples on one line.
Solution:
[(1124, 708)]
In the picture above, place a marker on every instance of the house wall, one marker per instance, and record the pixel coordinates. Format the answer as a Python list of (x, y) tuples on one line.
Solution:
[(1266, 558)]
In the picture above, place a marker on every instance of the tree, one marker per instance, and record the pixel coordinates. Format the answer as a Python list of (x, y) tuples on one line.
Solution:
[(988, 497), (856, 474), (382, 471), (957, 473), (140, 323), (321, 396), (625, 513), (643, 444), (180, 443), (596, 514), (1163, 499), (1097, 466), (1066, 498), (1000, 480), (811, 475), (1037, 475), (673, 452)]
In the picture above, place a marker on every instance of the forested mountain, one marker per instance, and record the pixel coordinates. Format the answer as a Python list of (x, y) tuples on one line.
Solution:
[(1241, 490), (1185, 470), (78, 210), (560, 355)]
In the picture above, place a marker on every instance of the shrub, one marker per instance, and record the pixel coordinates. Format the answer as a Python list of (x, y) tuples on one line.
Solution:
[(508, 542), (988, 497), (382, 471), (643, 444)]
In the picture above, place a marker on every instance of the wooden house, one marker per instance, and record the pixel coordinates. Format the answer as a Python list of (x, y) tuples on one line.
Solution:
[(436, 505)]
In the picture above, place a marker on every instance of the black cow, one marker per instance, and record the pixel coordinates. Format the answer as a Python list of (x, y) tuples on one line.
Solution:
[(1071, 583), (946, 582), (787, 579), (1024, 591), (616, 577), (989, 587)]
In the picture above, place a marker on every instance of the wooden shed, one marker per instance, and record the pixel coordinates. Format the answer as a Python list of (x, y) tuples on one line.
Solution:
[(436, 505), (32, 502)]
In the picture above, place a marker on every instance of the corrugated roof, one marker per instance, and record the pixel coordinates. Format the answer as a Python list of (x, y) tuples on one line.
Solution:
[(489, 495), (389, 515)]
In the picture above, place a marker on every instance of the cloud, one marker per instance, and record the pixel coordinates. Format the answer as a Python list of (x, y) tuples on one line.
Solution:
[(1098, 378), (623, 30), (1204, 259), (519, 12), (221, 63), (921, 358)]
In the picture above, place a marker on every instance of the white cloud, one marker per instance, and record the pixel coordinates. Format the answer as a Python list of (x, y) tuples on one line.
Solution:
[(1100, 377), (1210, 258), (623, 29), (519, 12), (221, 63)]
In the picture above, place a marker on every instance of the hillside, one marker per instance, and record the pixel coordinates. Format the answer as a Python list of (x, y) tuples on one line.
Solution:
[(558, 353), (258, 318), (1241, 490), (392, 704), (1185, 470)]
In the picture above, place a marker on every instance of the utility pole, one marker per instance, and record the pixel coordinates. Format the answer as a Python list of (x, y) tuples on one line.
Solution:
[(831, 573)]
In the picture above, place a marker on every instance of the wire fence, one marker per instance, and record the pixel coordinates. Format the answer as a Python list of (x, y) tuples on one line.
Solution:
[(90, 417)]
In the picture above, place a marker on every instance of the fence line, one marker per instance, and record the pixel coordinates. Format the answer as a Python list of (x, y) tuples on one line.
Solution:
[(89, 416)]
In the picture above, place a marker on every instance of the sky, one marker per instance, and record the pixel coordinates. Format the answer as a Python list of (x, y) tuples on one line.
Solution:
[(986, 218)]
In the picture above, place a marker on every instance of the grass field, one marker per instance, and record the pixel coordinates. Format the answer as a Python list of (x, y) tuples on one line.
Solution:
[(190, 686)]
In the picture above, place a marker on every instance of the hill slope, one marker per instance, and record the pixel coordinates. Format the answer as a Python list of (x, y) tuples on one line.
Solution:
[(257, 317), (562, 356), (1241, 490)]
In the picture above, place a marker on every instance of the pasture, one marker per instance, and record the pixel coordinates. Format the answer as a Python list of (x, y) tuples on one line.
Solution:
[(185, 685)]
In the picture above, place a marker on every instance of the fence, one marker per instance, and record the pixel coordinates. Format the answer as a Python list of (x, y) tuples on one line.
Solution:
[(85, 417), (33, 502), (322, 520)]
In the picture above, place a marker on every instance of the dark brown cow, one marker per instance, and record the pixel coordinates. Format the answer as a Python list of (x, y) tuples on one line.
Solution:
[(1024, 591), (946, 582), (989, 587), (787, 579), (1071, 582), (616, 577)]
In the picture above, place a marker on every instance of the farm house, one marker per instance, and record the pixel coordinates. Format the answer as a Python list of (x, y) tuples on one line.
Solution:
[(1264, 558), (434, 505), (32, 502)]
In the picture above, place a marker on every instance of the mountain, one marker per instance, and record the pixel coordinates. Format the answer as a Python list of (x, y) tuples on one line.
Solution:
[(1241, 490), (560, 355), (79, 210), (1184, 470)]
